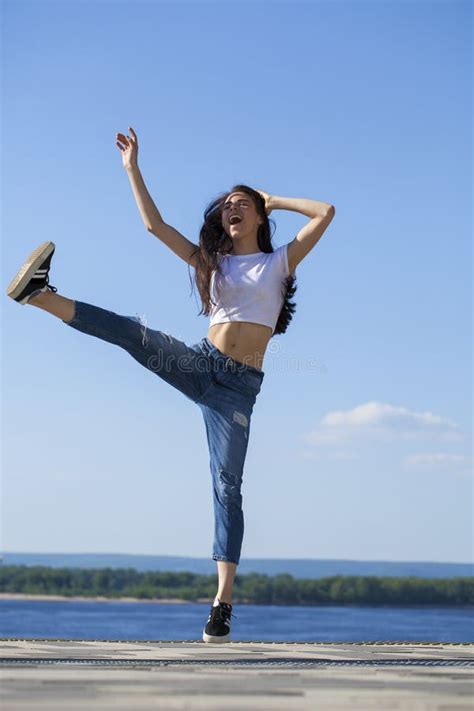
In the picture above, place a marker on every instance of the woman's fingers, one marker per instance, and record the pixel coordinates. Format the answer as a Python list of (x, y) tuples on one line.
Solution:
[(127, 143), (124, 139)]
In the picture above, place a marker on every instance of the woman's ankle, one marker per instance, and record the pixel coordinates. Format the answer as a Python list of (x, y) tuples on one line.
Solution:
[(55, 304), (38, 300), (224, 598)]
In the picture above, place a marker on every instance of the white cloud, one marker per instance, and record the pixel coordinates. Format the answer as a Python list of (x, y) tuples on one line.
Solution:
[(327, 455), (381, 421), (437, 459)]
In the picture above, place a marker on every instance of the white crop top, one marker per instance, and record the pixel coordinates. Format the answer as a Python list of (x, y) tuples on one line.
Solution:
[(250, 288)]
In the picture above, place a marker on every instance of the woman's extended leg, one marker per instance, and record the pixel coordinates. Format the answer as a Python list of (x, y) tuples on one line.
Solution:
[(55, 304), (173, 360)]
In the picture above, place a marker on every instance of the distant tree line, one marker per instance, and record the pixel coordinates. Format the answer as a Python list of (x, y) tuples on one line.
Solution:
[(250, 588)]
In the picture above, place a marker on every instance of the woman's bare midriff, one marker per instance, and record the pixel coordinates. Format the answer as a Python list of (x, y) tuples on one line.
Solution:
[(244, 341)]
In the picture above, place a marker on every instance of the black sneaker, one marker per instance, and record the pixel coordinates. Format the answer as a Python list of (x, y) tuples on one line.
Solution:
[(33, 277), (217, 628)]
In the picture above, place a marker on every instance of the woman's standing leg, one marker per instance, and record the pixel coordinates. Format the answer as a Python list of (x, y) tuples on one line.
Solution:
[(227, 441), (227, 414), (226, 575)]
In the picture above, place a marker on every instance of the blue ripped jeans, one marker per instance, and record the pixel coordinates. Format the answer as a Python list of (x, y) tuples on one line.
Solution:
[(224, 389)]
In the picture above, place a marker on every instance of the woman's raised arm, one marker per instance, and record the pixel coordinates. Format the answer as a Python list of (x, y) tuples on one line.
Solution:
[(151, 217)]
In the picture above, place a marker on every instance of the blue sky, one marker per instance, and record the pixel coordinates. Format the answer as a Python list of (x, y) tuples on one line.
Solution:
[(360, 438)]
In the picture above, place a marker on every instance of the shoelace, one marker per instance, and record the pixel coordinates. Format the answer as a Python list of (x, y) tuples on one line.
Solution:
[(220, 613), (53, 288)]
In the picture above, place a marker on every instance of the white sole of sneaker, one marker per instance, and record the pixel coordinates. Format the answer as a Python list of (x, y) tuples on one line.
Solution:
[(215, 640), (28, 268)]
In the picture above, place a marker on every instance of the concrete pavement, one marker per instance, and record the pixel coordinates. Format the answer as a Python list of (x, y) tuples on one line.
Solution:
[(77, 675)]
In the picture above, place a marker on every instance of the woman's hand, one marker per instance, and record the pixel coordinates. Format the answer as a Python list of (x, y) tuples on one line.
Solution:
[(129, 148), (268, 200)]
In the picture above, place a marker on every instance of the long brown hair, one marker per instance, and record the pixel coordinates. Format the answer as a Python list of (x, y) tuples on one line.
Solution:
[(213, 240)]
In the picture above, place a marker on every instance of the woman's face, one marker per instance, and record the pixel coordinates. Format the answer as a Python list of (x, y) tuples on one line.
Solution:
[(240, 205)]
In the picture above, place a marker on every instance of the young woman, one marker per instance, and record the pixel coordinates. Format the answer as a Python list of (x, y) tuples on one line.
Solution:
[(245, 286)]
